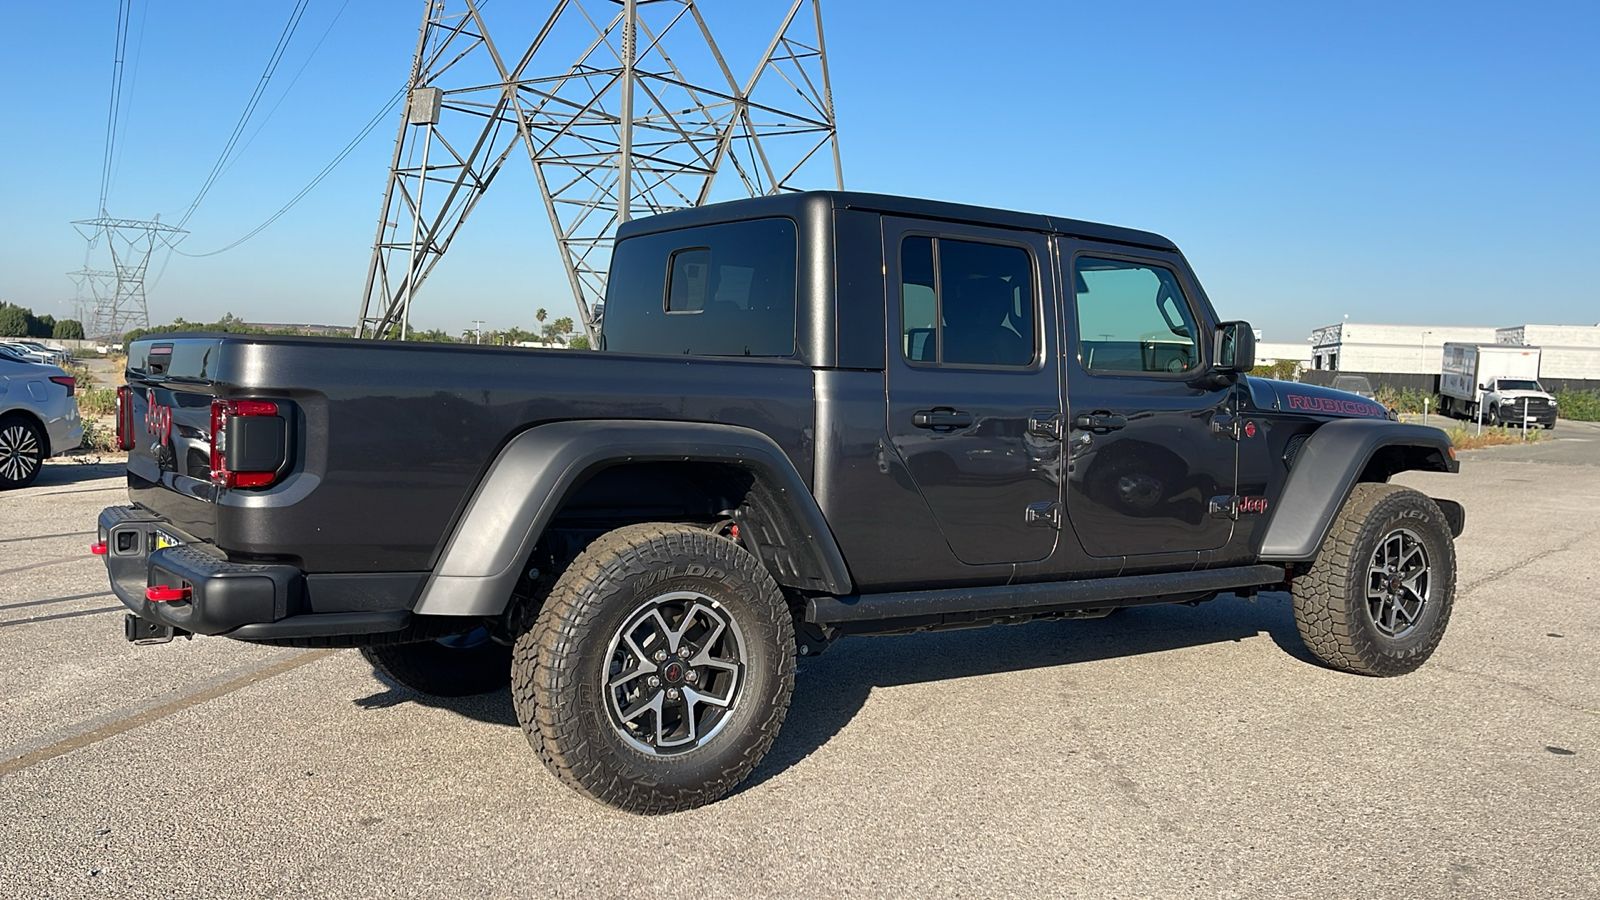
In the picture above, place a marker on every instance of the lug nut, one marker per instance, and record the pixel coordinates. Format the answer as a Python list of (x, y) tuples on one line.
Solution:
[(693, 677), (661, 656), (683, 652), (655, 681), (672, 693)]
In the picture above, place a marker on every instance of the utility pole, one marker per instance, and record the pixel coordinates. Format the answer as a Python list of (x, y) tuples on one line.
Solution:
[(643, 122), (478, 324), (131, 242)]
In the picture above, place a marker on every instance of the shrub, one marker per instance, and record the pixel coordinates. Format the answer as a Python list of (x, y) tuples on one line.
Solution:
[(98, 437), (97, 401), (1580, 406)]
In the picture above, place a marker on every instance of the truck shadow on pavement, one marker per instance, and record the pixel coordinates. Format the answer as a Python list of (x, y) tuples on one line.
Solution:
[(59, 474), (830, 690)]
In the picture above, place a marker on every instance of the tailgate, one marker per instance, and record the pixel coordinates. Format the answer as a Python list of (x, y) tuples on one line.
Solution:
[(175, 412)]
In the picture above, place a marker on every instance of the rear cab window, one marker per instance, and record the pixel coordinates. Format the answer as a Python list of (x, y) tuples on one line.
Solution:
[(716, 290)]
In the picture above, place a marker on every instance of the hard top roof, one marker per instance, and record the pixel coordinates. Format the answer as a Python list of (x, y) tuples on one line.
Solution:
[(797, 204)]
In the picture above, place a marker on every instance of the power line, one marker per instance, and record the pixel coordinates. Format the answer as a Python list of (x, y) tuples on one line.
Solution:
[(119, 53), (292, 82), (250, 106), (326, 170)]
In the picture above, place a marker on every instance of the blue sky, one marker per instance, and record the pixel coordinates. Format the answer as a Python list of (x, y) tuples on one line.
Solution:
[(1396, 162)]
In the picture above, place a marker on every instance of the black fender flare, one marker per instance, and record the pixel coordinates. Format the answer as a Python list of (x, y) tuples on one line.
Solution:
[(1328, 467), (532, 476)]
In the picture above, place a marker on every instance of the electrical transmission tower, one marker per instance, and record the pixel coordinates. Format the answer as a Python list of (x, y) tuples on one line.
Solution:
[(643, 122), (119, 303)]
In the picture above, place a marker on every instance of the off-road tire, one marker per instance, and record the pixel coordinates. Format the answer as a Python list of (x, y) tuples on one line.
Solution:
[(1331, 602), (445, 667), (22, 449), (561, 668)]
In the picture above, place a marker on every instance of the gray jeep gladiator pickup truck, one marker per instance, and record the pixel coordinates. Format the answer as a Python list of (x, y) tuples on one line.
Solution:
[(811, 416)]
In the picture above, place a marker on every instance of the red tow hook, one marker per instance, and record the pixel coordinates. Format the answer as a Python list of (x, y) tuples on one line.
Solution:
[(163, 594), (98, 549)]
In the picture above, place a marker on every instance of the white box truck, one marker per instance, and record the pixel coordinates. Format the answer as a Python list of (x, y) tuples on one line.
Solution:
[(1503, 379)]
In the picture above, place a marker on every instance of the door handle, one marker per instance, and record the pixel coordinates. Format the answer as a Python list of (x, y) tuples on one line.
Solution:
[(1100, 422), (941, 417)]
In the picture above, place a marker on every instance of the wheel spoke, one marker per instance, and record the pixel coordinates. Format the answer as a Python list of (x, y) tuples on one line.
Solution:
[(1397, 583), (689, 650)]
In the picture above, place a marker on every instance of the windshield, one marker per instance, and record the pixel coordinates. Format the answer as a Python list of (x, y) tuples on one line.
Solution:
[(1519, 384)]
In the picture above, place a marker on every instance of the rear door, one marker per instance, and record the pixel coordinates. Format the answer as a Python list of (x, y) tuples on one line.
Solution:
[(1153, 458), (974, 384)]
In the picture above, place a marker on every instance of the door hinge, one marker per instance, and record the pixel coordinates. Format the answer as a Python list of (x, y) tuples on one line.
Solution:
[(1225, 426), (1225, 507), (1047, 514), (1045, 424)]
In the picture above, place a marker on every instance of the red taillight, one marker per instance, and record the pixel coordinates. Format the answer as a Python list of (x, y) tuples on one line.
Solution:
[(98, 549), (66, 381), (221, 412), (124, 418), (160, 593)]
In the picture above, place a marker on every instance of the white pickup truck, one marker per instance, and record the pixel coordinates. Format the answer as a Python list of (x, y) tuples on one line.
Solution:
[(1502, 379)]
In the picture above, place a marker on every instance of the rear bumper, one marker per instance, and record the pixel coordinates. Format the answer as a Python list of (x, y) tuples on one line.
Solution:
[(243, 600)]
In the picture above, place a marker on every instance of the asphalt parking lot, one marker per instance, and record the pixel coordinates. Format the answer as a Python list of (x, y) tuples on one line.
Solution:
[(1162, 752)]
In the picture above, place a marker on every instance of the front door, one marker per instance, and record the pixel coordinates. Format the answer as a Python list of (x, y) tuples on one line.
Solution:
[(974, 392), (1152, 453)]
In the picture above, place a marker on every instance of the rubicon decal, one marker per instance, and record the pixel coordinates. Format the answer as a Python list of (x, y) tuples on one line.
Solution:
[(1334, 405)]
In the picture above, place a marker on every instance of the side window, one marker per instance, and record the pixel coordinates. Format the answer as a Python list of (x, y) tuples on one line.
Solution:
[(1132, 317), (965, 303), (714, 290), (687, 291)]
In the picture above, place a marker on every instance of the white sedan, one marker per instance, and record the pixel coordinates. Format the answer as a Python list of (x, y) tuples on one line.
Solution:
[(38, 418)]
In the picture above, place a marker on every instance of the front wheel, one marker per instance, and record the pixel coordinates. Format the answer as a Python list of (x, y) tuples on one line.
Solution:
[(659, 671), (1379, 595)]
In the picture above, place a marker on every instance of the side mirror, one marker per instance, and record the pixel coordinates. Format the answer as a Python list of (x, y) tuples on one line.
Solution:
[(1236, 347)]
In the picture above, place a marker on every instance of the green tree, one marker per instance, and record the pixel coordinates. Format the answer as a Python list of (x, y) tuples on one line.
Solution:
[(581, 342), (44, 326), (68, 330), (541, 315), (1282, 370), (14, 320)]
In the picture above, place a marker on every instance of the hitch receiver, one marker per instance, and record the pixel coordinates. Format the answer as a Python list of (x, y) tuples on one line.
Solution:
[(143, 631)]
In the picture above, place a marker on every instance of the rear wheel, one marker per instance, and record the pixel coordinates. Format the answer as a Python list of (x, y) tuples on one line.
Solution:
[(21, 452), (455, 666), (1379, 595), (659, 671)]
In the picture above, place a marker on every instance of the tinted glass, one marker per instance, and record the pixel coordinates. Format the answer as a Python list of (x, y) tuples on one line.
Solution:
[(978, 309), (717, 290), (1133, 318), (919, 301)]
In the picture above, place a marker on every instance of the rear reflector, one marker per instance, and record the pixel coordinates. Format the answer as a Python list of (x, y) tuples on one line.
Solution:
[(98, 549), (160, 593), (124, 418), (67, 381)]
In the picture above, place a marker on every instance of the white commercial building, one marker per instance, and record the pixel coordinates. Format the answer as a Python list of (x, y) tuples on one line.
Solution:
[(1390, 349), (1269, 352), (1565, 351)]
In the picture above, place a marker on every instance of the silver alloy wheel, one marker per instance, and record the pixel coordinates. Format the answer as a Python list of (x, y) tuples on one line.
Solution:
[(1399, 582), (673, 673), (19, 452)]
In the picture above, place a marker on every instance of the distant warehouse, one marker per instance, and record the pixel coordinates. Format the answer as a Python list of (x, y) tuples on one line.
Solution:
[(1569, 356), (1410, 356)]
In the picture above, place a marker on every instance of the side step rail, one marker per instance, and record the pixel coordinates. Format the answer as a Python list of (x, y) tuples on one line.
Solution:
[(1065, 595)]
